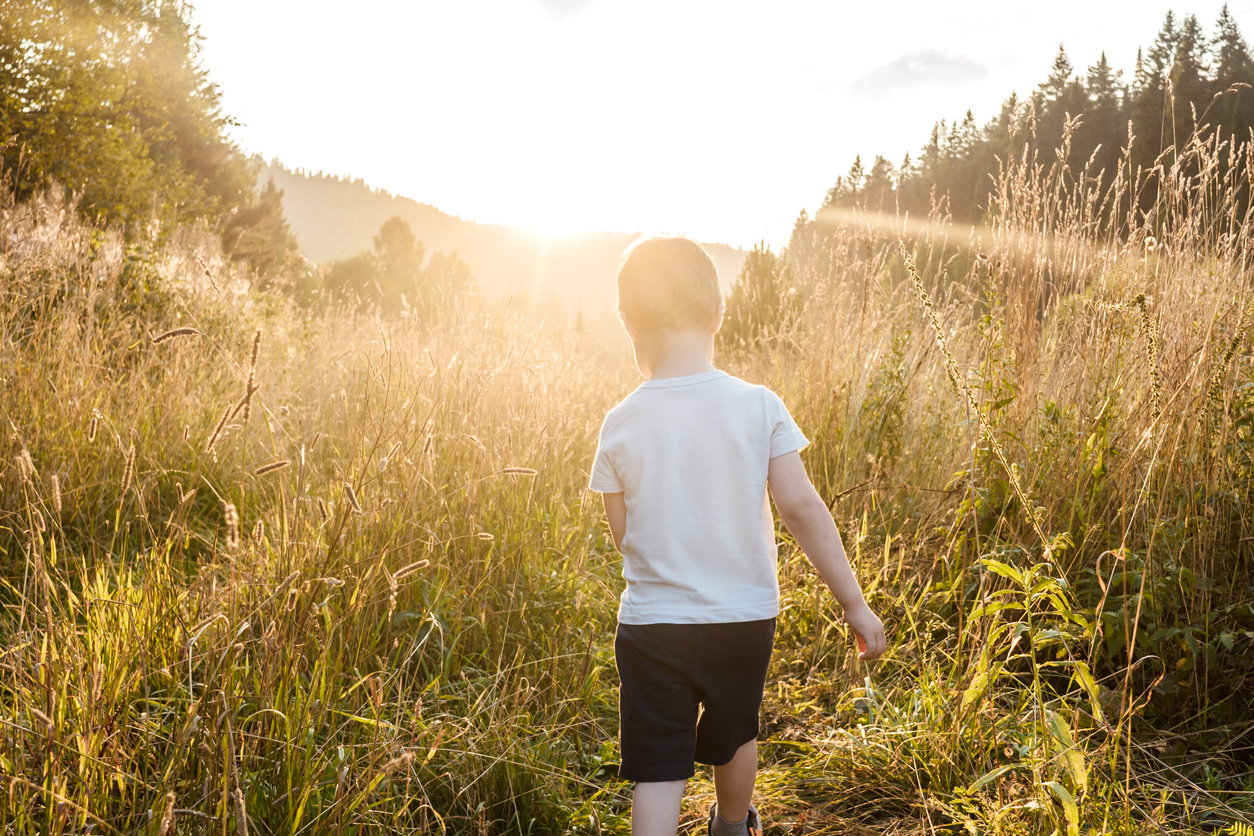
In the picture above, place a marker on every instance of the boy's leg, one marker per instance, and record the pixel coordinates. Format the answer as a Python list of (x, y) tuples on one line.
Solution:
[(733, 783), (734, 667), (655, 808)]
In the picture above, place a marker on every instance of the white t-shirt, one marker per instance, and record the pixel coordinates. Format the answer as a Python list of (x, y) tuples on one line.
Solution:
[(690, 455)]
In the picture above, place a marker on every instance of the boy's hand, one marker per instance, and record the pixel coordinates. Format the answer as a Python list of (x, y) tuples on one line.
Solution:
[(811, 525), (869, 631)]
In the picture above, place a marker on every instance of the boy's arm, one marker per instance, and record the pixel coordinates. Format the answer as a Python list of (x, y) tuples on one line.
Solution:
[(811, 525), (616, 513)]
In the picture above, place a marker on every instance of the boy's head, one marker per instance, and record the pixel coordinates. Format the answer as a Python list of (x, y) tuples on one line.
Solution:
[(668, 284)]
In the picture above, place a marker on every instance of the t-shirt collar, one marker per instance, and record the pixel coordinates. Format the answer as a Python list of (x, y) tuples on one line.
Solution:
[(686, 380)]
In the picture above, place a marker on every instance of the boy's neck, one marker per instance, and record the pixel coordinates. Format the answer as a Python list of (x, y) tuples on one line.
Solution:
[(665, 354)]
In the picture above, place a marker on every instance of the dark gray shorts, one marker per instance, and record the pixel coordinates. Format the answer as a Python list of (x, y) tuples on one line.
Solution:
[(689, 692)]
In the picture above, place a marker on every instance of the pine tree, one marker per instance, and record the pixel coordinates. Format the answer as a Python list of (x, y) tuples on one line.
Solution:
[(259, 235), (1151, 112), (1163, 53), (848, 188), (760, 301), (1102, 84), (1060, 73), (880, 190), (1061, 97), (1190, 82), (1103, 129), (1233, 113), (1230, 54)]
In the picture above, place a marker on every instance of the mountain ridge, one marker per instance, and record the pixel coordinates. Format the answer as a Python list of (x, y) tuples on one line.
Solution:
[(335, 217)]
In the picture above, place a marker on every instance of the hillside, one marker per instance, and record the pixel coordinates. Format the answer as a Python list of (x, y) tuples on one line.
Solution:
[(334, 217)]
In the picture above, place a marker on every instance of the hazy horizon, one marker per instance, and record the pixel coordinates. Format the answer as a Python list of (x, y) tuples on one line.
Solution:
[(530, 114)]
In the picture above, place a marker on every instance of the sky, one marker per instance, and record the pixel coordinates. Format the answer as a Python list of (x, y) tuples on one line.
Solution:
[(720, 120)]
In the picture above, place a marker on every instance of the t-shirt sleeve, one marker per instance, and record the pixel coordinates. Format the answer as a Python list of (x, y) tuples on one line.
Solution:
[(604, 476), (785, 435)]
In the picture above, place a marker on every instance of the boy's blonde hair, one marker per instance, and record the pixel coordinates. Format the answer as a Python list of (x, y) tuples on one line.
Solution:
[(667, 283)]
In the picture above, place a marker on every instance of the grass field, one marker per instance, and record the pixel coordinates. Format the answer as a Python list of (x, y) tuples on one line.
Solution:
[(283, 574)]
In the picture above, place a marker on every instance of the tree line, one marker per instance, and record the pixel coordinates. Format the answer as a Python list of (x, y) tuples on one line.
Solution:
[(395, 276), (1185, 80), (1185, 84)]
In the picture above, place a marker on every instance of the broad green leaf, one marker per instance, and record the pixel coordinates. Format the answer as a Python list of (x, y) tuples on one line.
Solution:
[(991, 775), (1079, 772), (1071, 756), (1084, 676), (1058, 729), (989, 608), (980, 683), (1069, 807), (1045, 585), (1005, 570)]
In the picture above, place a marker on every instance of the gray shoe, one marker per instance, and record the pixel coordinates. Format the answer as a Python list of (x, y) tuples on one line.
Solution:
[(752, 824)]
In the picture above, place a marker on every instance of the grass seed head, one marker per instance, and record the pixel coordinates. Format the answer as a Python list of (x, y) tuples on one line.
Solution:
[(56, 494), (25, 466), (231, 517), (398, 763), (272, 467), (128, 472), (406, 571), (208, 274), (241, 812), (217, 431), (392, 588), (1150, 331), (173, 335), (352, 498), (43, 719), (247, 402), (167, 818)]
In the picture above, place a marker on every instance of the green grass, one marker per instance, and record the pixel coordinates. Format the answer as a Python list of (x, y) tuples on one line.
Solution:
[(408, 628)]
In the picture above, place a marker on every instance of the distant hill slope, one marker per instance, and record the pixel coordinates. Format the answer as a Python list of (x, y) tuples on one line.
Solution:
[(334, 217)]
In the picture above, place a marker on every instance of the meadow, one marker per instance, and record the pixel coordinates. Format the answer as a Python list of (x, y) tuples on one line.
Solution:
[(269, 572)]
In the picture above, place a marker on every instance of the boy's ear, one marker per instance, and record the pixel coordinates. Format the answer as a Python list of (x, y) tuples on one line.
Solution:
[(718, 319), (632, 334)]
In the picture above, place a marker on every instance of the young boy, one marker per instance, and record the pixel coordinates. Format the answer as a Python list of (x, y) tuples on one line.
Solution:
[(684, 464)]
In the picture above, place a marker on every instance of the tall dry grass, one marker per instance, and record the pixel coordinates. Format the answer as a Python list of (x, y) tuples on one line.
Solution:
[(344, 577), (399, 627), (1046, 432)]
